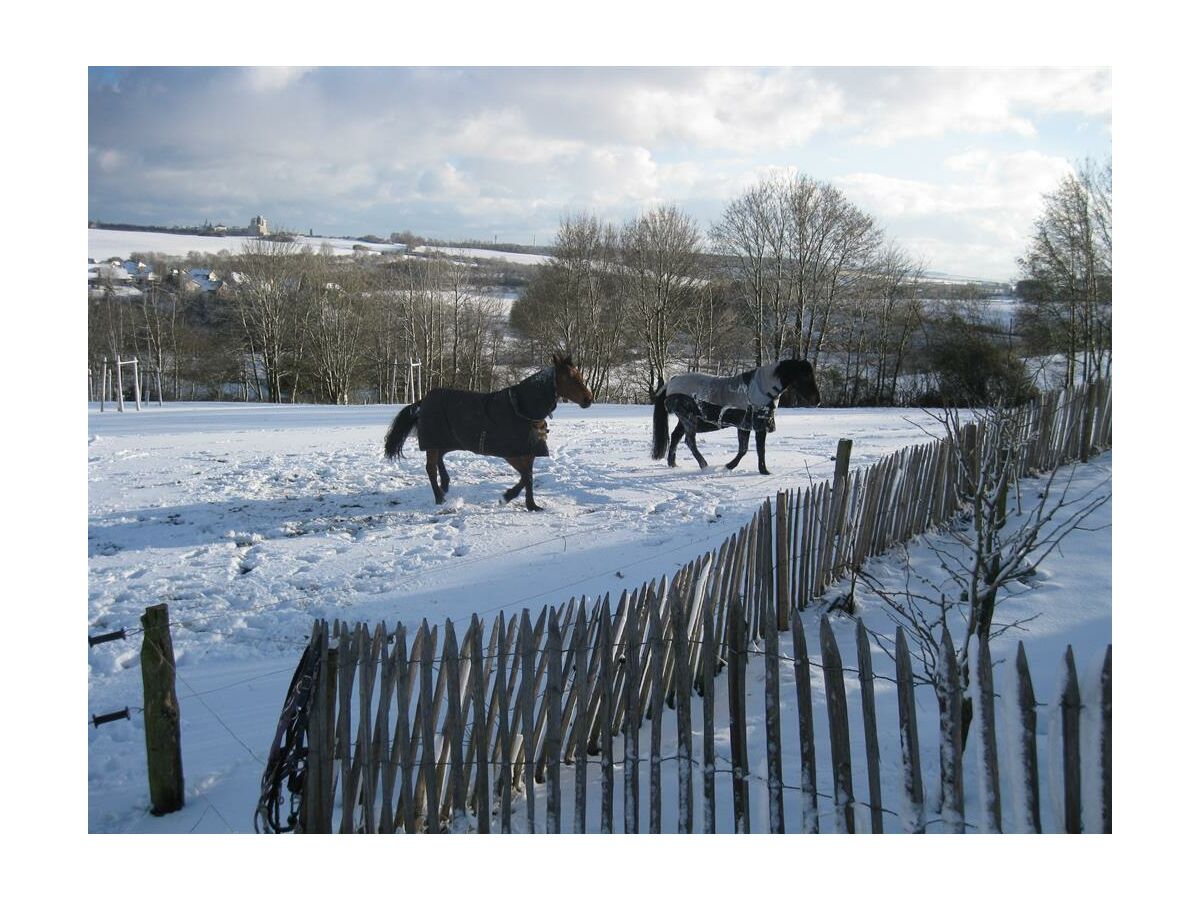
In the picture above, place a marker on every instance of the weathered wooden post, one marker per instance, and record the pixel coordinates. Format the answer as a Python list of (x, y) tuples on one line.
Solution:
[(164, 761), (783, 587), (1030, 809), (949, 691), (1106, 743), (989, 757), (913, 819), (841, 465), (554, 691), (841, 497), (866, 680), (839, 731), (808, 753), (1070, 707), (1089, 422)]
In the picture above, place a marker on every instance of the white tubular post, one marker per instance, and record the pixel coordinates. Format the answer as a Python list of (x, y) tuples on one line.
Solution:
[(137, 386), (103, 383), (120, 388)]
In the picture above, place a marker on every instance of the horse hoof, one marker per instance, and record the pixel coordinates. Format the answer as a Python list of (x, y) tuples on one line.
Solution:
[(533, 507), (763, 472), (731, 466)]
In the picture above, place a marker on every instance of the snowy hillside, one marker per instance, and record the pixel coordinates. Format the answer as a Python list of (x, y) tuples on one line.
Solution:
[(106, 243)]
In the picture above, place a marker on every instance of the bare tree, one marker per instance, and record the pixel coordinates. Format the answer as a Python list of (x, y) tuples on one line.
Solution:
[(831, 244), (659, 254), (898, 312), (754, 233), (271, 316), (159, 328), (574, 302), (334, 327), (1003, 538), (1068, 269)]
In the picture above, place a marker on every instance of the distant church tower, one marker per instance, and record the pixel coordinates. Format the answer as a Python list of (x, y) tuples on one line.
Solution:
[(258, 225)]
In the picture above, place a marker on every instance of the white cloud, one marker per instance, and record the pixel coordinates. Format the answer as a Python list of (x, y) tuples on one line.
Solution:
[(732, 109), (274, 78), (107, 159), (924, 103), (377, 149), (974, 223)]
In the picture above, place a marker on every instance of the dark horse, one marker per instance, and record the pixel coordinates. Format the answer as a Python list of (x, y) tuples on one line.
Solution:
[(510, 423), (747, 402)]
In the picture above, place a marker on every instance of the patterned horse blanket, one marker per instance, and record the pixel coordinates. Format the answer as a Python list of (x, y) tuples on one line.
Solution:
[(746, 401), (511, 422)]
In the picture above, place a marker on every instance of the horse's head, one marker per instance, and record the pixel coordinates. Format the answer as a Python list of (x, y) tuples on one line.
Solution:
[(798, 374), (568, 383)]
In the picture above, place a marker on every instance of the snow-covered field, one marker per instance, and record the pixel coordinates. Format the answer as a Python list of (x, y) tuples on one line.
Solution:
[(251, 520), (104, 243)]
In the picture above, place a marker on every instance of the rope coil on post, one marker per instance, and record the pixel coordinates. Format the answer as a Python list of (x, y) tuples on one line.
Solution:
[(286, 763)]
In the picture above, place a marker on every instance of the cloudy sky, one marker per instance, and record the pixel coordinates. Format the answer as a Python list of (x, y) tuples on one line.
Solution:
[(951, 162)]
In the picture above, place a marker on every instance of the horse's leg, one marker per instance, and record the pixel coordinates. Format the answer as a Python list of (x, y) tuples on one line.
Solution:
[(445, 476), (690, 437), (515, 462), (524, 465), (675, 437), (760, 444), (743, 446), (432, 459), (529, 504)]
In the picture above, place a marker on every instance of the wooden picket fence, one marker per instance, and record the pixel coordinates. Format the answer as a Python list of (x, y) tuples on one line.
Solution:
[(446, 734)]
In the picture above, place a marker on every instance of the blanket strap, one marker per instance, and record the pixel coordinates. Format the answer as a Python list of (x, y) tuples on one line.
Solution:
[(512, 398)]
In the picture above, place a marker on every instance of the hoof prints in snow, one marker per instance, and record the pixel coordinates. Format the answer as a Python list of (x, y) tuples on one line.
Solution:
[(296, 520)]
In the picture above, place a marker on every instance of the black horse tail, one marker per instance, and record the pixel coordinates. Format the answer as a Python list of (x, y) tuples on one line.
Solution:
[(660, 423), (393, 444)]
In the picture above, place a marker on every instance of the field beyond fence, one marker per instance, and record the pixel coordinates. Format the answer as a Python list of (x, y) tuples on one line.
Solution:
[(655, 700)]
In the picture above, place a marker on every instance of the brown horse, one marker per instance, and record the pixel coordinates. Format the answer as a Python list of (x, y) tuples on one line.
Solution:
[(510, 423)]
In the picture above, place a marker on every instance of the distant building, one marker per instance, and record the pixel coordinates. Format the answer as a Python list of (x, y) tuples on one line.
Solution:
[(205, 279), (258, 226), (111, 279)]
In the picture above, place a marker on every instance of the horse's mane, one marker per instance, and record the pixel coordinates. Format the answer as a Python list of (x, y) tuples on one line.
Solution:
[(536, 395), (788, 370)]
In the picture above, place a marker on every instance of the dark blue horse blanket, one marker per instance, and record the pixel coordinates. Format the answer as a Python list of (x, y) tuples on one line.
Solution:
[(511, 422)]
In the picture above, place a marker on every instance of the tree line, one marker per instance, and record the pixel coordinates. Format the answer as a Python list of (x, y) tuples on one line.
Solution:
[(791, 267)]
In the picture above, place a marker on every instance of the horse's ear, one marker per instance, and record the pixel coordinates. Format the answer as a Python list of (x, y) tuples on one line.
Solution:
[(555, 360), (567, 361)]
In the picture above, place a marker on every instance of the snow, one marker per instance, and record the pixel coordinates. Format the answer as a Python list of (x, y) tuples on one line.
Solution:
[(525, 259), (105, 243), (251, 520)]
